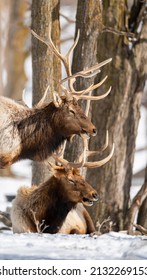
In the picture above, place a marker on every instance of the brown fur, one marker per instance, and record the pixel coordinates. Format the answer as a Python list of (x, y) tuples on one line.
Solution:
[(36, 133), (51, 202)]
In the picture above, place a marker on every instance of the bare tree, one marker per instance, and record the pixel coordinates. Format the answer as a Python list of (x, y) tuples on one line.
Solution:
[(46, 67), (121, 35), (13, 48), (16, 49)]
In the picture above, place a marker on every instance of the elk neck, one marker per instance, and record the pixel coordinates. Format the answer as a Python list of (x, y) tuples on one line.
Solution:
[(38, 133), (56, 204)]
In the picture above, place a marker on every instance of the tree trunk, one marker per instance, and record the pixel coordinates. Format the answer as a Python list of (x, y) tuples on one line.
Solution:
[(46, 67), (13, 34), (4, 26), (119, 113), (89, 22), (16, 50), (142, 215)]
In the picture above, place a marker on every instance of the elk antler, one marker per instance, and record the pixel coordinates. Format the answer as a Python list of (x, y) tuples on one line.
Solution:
[(71, 78), (86, 153), (66, 163)]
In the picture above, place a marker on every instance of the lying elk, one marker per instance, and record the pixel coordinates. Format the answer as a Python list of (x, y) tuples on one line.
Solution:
[(44, 208), (57, 205), (35, 133)]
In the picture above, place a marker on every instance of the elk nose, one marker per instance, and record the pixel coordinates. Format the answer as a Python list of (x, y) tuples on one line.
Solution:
[(95, 196), (94, 132)]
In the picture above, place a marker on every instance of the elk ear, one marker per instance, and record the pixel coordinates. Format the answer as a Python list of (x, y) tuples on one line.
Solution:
[(56, 99)]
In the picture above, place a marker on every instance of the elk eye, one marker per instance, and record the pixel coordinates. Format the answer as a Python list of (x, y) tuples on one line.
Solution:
[(71, 181), (72, 112)]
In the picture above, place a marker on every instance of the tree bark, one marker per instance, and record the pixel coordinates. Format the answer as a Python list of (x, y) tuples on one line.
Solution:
[(119, 113), (89, 23), (46, 67), (142, 215), (16, 50), (14, 34)]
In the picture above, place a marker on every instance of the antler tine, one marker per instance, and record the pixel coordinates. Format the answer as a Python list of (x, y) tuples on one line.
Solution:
[(66, 163), (86, 153), (60, 151), (100, 162), (65, 59), (74, 44), (91, 97), (58, 157), (50, 44), (68, 70), (91, 87), (90, 72), (88, 105), (92, 153), (45, 97)]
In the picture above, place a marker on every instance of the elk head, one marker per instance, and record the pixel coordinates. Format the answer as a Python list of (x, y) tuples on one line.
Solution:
[(75, 121), (69, 118), (76, 189)]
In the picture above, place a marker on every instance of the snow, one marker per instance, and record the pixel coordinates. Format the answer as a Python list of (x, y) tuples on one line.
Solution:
[(57, 246)]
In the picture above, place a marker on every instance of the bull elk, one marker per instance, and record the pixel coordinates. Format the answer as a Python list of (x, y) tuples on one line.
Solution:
[(44, 208), (35, 133), (57, 205)]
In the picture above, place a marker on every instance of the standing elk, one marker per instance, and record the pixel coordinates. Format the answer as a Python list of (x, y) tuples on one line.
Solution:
[(35, 133), (57, 205)]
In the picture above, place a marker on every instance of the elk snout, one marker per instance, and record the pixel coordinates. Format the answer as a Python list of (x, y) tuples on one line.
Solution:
[(94, 132), (89, 199), (95, 196), (90, 132)]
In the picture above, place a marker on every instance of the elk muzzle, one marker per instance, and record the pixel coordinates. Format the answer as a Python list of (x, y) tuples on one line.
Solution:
[(89, 132), (90, 198)]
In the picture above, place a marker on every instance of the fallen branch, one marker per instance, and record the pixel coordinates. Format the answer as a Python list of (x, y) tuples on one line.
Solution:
[(5, 219), (136, 204), (141, 229), (104, 227)]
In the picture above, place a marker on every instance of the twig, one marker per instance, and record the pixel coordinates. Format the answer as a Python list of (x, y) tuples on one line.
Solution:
[(141, 229), (136, 204), (5, 219), (39, 226), (118, 32), (67, 18), (105, 226)]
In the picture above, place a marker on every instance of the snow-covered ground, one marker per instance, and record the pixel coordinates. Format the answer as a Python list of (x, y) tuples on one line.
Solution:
[(110, 246)]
